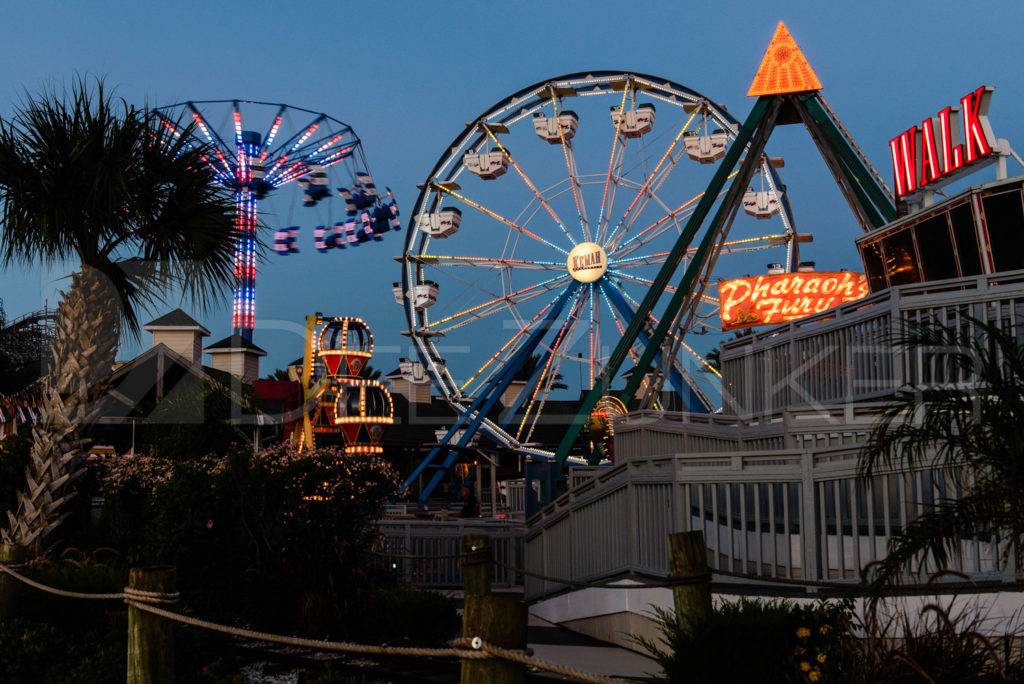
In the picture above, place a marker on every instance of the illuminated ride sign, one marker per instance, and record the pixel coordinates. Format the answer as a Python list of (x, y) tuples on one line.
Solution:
[(925, 154), (770, 299)]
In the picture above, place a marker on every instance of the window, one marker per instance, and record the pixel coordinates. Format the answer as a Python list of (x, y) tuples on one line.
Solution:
[(966, 239), (900, 259), (938, 260), (871, 254), (1004, 216)]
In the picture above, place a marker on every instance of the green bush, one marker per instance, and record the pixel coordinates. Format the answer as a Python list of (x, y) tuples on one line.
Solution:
[(36, 651), (754, 640), (277, 536)]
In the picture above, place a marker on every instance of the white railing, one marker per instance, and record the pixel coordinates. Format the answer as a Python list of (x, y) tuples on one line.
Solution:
[(795, 514), (426, 553)]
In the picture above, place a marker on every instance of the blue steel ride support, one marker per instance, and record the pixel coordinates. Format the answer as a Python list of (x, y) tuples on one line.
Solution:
[(471, 419)]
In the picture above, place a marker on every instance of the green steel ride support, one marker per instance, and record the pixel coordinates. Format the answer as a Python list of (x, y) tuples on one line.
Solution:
[(869, 202)]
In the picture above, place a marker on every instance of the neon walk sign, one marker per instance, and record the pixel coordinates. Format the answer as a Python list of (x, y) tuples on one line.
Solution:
[(925, 158)]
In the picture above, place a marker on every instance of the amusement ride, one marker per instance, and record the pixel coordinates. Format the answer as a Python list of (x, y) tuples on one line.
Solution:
[(560, 215), (551, 213), (256, 148)]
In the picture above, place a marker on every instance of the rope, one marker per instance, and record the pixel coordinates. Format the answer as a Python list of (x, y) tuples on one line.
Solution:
[(138, 595), (519, 657), (474, 649), (59, 592), (310, 643)]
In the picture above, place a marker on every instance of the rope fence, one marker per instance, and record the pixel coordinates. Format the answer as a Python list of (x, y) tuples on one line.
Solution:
[(465, 648)]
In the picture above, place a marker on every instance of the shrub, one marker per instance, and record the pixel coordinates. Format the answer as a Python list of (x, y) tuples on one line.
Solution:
[(753, 640), (277, 534), (409, 616), (939, 645)]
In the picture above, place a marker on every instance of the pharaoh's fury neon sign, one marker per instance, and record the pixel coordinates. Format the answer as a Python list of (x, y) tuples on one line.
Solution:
[(925, 157)]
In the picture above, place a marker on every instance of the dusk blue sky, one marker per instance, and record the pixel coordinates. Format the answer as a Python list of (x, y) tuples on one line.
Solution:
[(408, 75)]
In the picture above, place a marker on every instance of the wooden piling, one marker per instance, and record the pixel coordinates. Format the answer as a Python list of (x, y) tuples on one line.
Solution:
[(150, 637), (688, 560), (476, 565), (500, 622), (13, 556)]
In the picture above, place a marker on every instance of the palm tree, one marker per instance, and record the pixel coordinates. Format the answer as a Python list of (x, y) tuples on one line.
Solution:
[(89, 180), (965, 416)]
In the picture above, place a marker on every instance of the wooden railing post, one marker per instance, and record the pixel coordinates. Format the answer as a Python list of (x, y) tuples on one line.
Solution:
[(13, 556), (689, 563), (150, 637), (497, 621)]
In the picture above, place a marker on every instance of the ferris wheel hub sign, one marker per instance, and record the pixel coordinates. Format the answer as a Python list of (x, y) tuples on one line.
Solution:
[(587, 262)]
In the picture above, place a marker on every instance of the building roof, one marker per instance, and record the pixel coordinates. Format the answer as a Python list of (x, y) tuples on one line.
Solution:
[(234, 343), (176, 320)]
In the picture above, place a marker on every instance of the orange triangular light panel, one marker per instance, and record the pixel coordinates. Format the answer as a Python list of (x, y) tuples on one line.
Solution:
[(784, 68)]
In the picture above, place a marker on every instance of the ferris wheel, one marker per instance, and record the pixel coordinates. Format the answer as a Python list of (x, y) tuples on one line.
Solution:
[(541, 227), (257, 147)]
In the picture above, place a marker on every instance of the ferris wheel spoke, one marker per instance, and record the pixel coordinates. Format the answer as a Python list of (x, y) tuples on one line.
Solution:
[(542, 383), (498, 303), (498, 217), (508, 350), (645, 192), (646, 282), (536, 193), (512, 340), (659, 227), (601, 220), (570, 165), (438, 261)]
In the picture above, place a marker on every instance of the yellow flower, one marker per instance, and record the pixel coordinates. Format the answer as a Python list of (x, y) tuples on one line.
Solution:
[(803, 633), (814, 676), (824, 630), (821, 658), (805, 667)]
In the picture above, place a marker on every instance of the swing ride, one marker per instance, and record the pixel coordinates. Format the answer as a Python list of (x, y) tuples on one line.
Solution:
[(257, 147)]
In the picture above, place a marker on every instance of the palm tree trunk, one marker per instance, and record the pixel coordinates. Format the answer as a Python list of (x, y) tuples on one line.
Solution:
[(84, 348)]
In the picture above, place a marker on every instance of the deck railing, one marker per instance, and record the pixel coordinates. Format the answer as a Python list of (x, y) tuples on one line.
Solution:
[(426, 552), (793, 513)]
